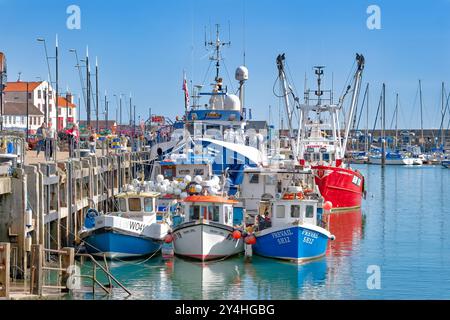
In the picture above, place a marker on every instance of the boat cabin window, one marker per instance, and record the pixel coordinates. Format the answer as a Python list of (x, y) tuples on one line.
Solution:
[(316, 156), (213, 213), (194, 213), (309, 212), (199, 172), (228, 215), (326, 157), (295, 211), (307, 157), (280, 212), (254, 178), (122, 205), (134, 204), (148, 204)]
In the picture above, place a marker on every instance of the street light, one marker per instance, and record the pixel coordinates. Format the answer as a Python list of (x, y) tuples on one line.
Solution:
[(56, 83), (80, 75)]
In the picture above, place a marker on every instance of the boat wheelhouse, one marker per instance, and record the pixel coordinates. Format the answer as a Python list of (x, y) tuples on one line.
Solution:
[(208, 231), (291, 228)]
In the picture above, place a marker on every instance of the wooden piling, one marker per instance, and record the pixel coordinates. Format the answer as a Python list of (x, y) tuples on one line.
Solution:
[(37, 252), (5, 250)]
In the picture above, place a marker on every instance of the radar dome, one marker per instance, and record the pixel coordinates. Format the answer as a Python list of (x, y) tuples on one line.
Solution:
[(241, 73), (232, 102)]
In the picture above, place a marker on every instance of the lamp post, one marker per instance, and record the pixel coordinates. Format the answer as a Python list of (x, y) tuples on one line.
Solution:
[(56, 83)]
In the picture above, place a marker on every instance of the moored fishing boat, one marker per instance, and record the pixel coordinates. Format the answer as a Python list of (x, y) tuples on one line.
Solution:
[(292, 229), (208, 232), (132, 230), (319, 144)]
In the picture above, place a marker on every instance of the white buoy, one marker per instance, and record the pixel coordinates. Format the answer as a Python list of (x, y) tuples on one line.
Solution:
[(183, 195), (160, 178), (198, 179), (187, 179), (198, 188), (177, 191)]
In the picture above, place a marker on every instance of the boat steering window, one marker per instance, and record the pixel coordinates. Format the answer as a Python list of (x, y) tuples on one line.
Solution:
[(194, 213), (307, 157), (280, 212), (316, 156), (295, 211), (134, 204), (326, 157), (309, 212), (254, 178), (122, 205), (148, 204), (213, 213)]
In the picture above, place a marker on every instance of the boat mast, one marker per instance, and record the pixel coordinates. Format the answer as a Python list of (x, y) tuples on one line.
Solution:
[(421, 116), (217, 44), (366, 145), (286, 90), (396, 121), (356, 87)]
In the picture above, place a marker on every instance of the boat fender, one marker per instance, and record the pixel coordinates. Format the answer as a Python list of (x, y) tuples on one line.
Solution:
[(236, 234), (89, 221), (333, 237), (168, 238), (251, 239)]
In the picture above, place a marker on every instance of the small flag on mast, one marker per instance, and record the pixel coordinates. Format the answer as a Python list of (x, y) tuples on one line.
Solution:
[(186, 92)]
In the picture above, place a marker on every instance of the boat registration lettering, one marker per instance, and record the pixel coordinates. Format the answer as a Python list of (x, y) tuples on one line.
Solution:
[(134, 225), (356, 181), (309, 236), (282, 236)]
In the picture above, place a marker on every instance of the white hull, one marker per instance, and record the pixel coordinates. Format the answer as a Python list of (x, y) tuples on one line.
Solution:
[(401, 162), (206, 241)]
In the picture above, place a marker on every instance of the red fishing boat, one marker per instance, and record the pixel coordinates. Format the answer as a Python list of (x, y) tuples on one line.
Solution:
[(320, 144)]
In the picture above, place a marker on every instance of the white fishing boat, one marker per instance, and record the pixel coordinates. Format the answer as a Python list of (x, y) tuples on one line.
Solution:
[(208, 232), (131, 230)]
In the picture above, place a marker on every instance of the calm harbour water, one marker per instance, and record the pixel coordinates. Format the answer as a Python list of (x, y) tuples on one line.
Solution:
[(403, 229)]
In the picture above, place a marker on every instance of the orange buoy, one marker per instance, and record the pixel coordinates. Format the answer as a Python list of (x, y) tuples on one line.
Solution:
[(328, 205), (168, 238), (250, 240), (236, 234)]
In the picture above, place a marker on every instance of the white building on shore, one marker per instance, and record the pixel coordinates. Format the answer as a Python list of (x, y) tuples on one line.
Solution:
[(42, 96)]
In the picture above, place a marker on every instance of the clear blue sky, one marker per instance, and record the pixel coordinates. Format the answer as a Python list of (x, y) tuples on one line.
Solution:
[(144, 46)]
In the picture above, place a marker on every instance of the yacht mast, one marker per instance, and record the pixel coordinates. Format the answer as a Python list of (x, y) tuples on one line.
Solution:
[(421, 116)]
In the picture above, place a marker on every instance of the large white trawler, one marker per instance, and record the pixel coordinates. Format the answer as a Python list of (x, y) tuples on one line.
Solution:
[(218, 129)]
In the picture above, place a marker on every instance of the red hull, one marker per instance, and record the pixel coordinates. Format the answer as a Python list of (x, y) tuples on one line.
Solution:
[(343, 187)]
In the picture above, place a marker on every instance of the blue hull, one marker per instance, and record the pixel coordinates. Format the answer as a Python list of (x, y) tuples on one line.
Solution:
[(446, 164), (118, 245), (291, 243)]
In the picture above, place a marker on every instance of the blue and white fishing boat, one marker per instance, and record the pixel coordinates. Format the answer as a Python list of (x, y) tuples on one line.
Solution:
[(219, 127), (132, 230), (291, 229)]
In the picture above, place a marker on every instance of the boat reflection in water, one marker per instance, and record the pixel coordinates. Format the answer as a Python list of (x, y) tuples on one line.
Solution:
[(207, 280), (347, 226)]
